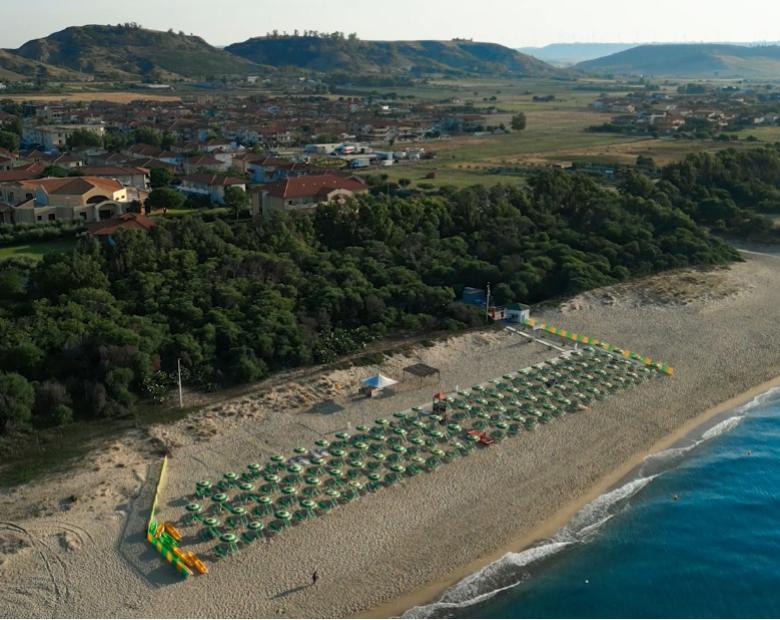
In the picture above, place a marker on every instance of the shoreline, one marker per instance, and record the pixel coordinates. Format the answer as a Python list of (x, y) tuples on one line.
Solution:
[(547, 528)]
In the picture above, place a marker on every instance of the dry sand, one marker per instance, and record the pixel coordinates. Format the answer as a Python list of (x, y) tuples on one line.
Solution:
[(72, 544)]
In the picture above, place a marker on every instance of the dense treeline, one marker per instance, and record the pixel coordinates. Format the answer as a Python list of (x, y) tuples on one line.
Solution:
[(728, 191), (88, 333)]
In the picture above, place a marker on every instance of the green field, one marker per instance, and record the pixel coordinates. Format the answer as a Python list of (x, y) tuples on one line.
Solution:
[(37, 250)]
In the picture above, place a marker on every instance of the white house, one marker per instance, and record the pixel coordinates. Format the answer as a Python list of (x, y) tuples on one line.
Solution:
[(211, 185)]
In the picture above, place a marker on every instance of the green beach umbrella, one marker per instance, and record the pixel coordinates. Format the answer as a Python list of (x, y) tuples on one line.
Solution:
[(238, 515), (194, 511), (202, 488), (211, 529), (254, 531), (220, 502)]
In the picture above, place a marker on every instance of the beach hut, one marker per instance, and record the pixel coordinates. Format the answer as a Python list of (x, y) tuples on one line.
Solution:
[(374, 385), (517, 313)]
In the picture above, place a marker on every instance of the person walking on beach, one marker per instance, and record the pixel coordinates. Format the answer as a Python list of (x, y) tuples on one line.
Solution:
[(314, 577)]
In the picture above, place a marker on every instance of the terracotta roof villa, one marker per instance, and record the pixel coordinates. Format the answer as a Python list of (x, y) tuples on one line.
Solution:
[(127, 221), (68, 199), (306, 192)]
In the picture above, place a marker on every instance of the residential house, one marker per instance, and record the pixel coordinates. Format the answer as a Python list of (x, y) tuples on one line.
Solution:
[(197, 164), (126, 221), (66, 199), (22, 173), (211, 185), (306, 192), (54, 137), (127, 176)]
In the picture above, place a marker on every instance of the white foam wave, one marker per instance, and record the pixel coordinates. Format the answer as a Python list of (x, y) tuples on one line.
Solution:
[(487, 582), (760, 400), (505, 573), (661, 461), (722, 427)]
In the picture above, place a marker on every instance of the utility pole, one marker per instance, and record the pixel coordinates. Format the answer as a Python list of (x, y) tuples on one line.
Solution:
[(487, 302), (181, 397)]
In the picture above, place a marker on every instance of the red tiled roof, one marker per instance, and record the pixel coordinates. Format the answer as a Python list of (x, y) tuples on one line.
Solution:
[(213, 180), (314, 185), (204, 160), (74, 186), (22, 173), (102, 171), (127, 221)]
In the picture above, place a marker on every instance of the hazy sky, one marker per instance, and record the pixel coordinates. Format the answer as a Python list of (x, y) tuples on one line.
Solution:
[(512, 22)]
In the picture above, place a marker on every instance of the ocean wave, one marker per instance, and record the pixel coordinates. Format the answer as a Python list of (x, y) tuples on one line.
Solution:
[(761, 400), (667, 459), (507, 572), (722, 427), (494, 578)]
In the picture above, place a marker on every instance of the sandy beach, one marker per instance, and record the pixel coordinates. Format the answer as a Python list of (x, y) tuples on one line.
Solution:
[(72, 544)]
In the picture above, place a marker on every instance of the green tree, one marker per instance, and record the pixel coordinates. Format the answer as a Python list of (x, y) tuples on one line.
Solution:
[(83, 138), (55, 171), (165, 198), (147, 135), (16, 401), (9, 141), (159, 177), (236, 199), (114, 140), (518, 121)]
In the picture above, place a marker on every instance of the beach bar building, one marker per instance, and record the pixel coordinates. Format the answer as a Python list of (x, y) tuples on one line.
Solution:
[(517, 313)]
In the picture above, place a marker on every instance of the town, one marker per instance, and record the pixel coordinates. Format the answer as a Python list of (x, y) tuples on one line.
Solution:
[(91, 161)]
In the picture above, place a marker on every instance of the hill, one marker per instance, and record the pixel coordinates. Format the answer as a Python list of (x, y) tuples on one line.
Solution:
[(329, 53), (691, 60), (129, 51), (17, 68), (565, 54)]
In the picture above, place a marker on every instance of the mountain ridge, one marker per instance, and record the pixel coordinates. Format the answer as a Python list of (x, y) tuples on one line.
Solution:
[(327, 54), (129, 51), (690, 60)]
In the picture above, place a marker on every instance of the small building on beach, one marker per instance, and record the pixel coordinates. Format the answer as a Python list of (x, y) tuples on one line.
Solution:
[(517, 313)]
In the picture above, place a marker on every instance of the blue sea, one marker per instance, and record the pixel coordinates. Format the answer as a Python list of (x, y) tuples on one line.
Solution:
[(695, 535)]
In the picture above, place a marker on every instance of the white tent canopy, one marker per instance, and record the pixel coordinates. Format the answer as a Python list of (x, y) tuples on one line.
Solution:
[(378, 382)]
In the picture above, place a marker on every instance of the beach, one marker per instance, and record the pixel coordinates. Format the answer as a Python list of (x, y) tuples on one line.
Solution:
[(72, 544)]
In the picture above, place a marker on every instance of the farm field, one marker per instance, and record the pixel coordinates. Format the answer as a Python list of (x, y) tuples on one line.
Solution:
[(556, 133)]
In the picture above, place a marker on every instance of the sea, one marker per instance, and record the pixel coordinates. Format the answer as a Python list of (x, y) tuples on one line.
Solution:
[(694, 534)]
